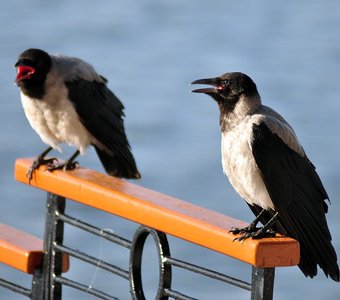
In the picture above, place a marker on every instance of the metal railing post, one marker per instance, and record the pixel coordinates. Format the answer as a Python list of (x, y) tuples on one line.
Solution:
[(37, 289), (262, 283), (54, 234)]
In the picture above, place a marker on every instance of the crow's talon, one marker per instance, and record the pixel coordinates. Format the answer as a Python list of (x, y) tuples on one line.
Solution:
[(67, 166), (235, 230), (259, 234), (242, 237), (248, 229), (37, 163)]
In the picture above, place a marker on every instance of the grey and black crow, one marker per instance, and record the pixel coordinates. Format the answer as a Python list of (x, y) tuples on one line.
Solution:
[(66, 101), (268, 167)]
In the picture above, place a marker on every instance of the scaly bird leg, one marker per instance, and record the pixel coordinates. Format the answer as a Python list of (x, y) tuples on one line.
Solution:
[(39, 162), (70, 164), (251, 227), (263, 232)]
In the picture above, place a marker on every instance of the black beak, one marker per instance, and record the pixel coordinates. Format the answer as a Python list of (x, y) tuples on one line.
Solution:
[(209, 81)]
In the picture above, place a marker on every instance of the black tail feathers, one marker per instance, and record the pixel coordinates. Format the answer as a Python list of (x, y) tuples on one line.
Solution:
[(119, 166)]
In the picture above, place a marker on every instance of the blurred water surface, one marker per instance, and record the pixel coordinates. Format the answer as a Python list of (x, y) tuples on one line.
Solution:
[(150, 51)]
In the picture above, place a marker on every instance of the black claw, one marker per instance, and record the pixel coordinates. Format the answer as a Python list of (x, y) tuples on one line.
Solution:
[(254, 232), (238, 239), (67, 166), (234, 230), (242, 237), (259, 234), (250, 228), (36, 164)]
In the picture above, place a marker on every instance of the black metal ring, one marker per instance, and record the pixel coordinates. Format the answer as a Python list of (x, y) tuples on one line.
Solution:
[(136, 254)]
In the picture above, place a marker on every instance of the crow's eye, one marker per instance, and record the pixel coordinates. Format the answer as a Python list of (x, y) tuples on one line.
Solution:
[(226, 82)]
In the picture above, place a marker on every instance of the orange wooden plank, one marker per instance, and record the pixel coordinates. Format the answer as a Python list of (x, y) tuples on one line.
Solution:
[(170, 215), (19, 249), (22, 251)]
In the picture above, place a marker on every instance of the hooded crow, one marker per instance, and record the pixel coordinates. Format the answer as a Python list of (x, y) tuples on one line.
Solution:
[(66, 101), (268, 167)]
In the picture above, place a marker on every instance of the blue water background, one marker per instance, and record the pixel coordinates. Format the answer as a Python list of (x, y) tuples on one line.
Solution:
[(150, 51)]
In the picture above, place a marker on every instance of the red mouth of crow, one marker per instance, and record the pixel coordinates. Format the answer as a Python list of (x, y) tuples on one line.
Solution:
[(24, 72)]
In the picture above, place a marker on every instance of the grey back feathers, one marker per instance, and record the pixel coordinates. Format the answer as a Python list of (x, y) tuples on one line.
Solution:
[(72, 68)]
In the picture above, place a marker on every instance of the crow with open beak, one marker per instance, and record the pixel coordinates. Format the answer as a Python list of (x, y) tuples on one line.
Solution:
[(268, 167), (66, 101)]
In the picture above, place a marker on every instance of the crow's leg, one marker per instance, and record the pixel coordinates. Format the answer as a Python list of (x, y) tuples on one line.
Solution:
[(70, 164), (263, 232), (39, 162), (251, 227)]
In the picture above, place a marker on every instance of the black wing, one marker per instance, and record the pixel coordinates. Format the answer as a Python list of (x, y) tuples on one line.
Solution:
[(299, 196), (101, 112)]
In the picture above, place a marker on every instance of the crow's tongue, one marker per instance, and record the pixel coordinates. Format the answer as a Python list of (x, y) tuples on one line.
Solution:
[(24, 72)]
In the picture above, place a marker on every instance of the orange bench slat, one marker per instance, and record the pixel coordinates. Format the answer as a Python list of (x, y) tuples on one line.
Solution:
[(22, 251)]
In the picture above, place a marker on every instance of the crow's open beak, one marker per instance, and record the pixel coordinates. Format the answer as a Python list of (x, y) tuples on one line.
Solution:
[(209, 81), (24, 72)]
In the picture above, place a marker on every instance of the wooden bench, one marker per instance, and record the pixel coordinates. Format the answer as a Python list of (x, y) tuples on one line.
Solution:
[(23, 251)]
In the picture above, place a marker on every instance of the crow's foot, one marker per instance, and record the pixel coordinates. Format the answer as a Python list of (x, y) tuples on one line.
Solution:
[(40, 161), (248, 229), (259, 234), (66, 166)]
